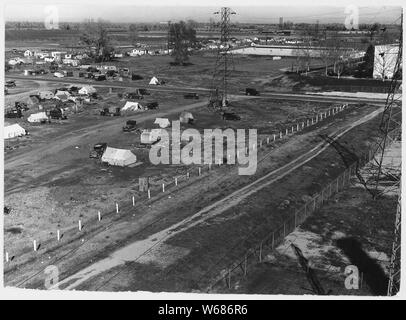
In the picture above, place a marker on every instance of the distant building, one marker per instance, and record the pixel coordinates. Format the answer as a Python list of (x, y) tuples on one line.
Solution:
[(385, 60)]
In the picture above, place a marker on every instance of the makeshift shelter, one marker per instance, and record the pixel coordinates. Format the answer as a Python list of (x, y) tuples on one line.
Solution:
[(132, 106), (118, 157), (37, 117), (186, 117), (154, 81), (87, 90), (162, 122), (14, 130), (45, 95)]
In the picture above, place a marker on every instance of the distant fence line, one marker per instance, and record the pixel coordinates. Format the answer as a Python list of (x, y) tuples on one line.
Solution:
[(239, 268), (166, 187)]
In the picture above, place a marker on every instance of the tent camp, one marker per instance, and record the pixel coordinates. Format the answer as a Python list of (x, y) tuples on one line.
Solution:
[(13, 130), (38, 117), (132, 106), (186, 117), (87, 90), (154, 81), (118, 157), (162, 122)]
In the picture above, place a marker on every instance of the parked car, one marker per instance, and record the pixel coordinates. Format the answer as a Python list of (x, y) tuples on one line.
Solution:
[(152, 105), (136, 77), (131, 125), (191, 96), (251, 92), (10, 84), (231, 116), (133, 95), (143, 92), (56, 113), (13, 113), (98, 150)]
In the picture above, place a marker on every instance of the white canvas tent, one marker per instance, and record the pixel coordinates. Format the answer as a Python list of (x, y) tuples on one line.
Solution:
[(154, 81), (37, 117), (87, 90), (132, 106), (162, 122), (13, 130), (118, 157)]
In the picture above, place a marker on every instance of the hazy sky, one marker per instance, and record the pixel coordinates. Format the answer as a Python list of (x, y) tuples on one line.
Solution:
[(155, 11)]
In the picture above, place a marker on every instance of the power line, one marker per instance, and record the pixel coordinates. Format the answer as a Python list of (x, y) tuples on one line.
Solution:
[(224, 62)]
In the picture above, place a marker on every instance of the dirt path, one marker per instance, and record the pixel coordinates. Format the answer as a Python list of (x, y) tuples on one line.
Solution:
[(136, 250)]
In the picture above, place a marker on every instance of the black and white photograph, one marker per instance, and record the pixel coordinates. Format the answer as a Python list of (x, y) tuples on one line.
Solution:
[(214, 148)]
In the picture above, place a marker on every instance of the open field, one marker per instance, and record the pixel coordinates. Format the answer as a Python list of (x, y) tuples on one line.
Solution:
[(194, 220), (80, 188)]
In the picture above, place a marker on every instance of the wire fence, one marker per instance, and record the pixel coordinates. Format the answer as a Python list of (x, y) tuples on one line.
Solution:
[(239, 268)]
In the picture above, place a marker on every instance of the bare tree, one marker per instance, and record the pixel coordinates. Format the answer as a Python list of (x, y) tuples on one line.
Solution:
[(181, 38), (95, 35)]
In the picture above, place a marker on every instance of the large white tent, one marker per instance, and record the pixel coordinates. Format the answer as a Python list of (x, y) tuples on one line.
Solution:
[(118, 157), (132, 106), (37, 117), (13, 130)]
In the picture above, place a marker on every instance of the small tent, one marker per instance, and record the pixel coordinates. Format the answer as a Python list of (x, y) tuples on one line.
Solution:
[(118, 157), (162, 122), (154, 81), (87, 90), (37, 117), (132, 106), (186, 117), (13, 130)]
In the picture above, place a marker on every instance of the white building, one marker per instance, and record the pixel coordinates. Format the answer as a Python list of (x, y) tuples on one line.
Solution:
[(385, 60)]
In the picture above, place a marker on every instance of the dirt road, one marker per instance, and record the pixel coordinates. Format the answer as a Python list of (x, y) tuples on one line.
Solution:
[(169, 88)]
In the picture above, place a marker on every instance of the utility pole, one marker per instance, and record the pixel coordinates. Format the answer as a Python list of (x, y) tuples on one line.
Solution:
[(389, 122), (224, 62), (385, 180)]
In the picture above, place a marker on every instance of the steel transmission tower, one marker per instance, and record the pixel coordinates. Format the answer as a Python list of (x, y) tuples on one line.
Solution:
[(386, 179), (224, 62), (391, 120)]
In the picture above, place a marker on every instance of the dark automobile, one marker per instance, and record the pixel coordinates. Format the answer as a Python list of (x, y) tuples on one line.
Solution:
[(251, 92), (191, 96), (152, 105), (98, 150), (10, 84), (56, 113), (143, 92), (131, 125), (231, 116), (14, 113), (136, 77), (133, 95)]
